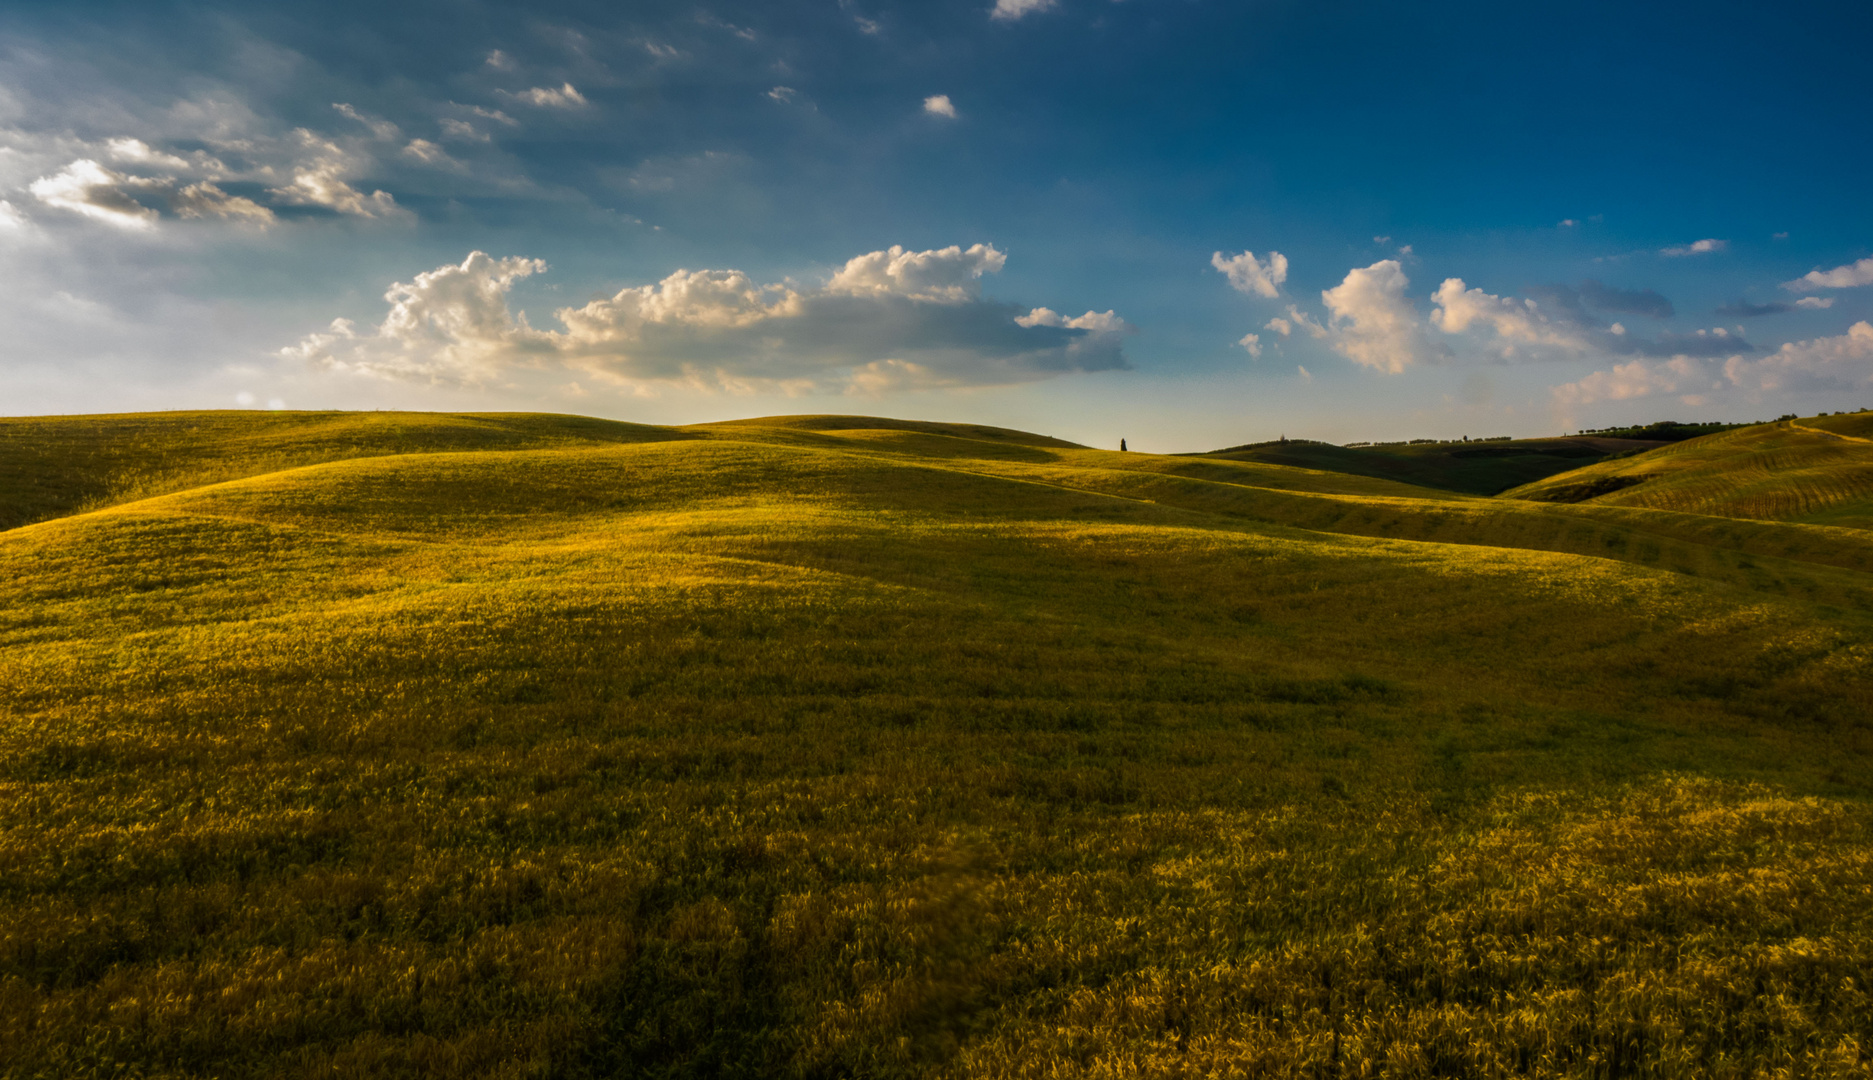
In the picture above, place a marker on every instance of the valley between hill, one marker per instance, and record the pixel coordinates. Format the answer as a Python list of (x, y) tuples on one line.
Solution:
[(411, 744)]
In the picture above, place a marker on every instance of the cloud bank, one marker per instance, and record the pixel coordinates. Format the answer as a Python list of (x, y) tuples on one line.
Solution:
[(1372, 321), (886, 320), (1823, 364)]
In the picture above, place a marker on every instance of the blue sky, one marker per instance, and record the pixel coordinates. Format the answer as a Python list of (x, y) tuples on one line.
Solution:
[(1184, 222)]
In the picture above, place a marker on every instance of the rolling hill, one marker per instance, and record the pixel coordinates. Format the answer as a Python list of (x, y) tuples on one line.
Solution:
[(424, 745), (1817, 471), (1484, 467), (52, 466)]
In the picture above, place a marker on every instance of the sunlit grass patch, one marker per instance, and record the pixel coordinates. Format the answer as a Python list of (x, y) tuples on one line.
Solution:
[(821, 749), (1789, 471), (1676, 928)]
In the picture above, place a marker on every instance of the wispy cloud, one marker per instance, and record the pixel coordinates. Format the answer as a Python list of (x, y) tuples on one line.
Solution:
[(1695, 247), (322, 178), (1009, 10), (136, 202), (101, 194), (566, 97), (1743, 309), (380, 127), (1253, 277)]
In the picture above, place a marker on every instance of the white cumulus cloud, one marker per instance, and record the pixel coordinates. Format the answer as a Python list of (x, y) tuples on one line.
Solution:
[(1251, 277), (1371, 322), (945, 275), (939, 105), (1253, 343), (1515, 323), (1102, 322), (887, 320), (451, 324), (1841, 277)]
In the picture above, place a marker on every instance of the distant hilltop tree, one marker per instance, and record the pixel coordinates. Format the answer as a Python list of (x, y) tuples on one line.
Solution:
[(1121, 445)]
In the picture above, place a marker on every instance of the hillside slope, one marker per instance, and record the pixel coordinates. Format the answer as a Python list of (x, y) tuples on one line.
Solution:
[(846, 747), (1474, 468), (976, 433), (55, 465), (1817, 471)]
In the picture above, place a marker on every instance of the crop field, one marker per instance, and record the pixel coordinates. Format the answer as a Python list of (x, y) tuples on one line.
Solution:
[(397, 745)]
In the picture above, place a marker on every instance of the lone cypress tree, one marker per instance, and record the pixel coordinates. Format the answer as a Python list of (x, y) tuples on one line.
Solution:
[(1121, 445)]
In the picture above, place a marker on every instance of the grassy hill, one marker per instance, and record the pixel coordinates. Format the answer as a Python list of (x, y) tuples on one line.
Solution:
[(54, 465), (1818, 471), (1476, 468), (399, 745)]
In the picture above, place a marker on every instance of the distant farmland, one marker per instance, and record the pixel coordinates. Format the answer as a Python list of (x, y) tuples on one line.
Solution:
[(384, 744)]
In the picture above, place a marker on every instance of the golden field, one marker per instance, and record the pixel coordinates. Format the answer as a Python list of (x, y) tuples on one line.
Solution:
[(533, 746)]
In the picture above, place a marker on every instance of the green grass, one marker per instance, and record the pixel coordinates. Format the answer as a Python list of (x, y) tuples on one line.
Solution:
[(1817, 471), (831, 747)]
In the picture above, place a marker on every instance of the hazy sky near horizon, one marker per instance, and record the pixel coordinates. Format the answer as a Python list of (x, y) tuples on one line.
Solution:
[(1188, 223)]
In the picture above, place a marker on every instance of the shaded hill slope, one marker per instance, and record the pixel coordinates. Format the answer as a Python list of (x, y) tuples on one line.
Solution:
[(1817, 471), (1474, 468)]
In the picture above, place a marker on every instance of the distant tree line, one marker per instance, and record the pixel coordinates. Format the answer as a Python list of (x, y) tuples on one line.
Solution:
[(1420, 442), (1658, 431)]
